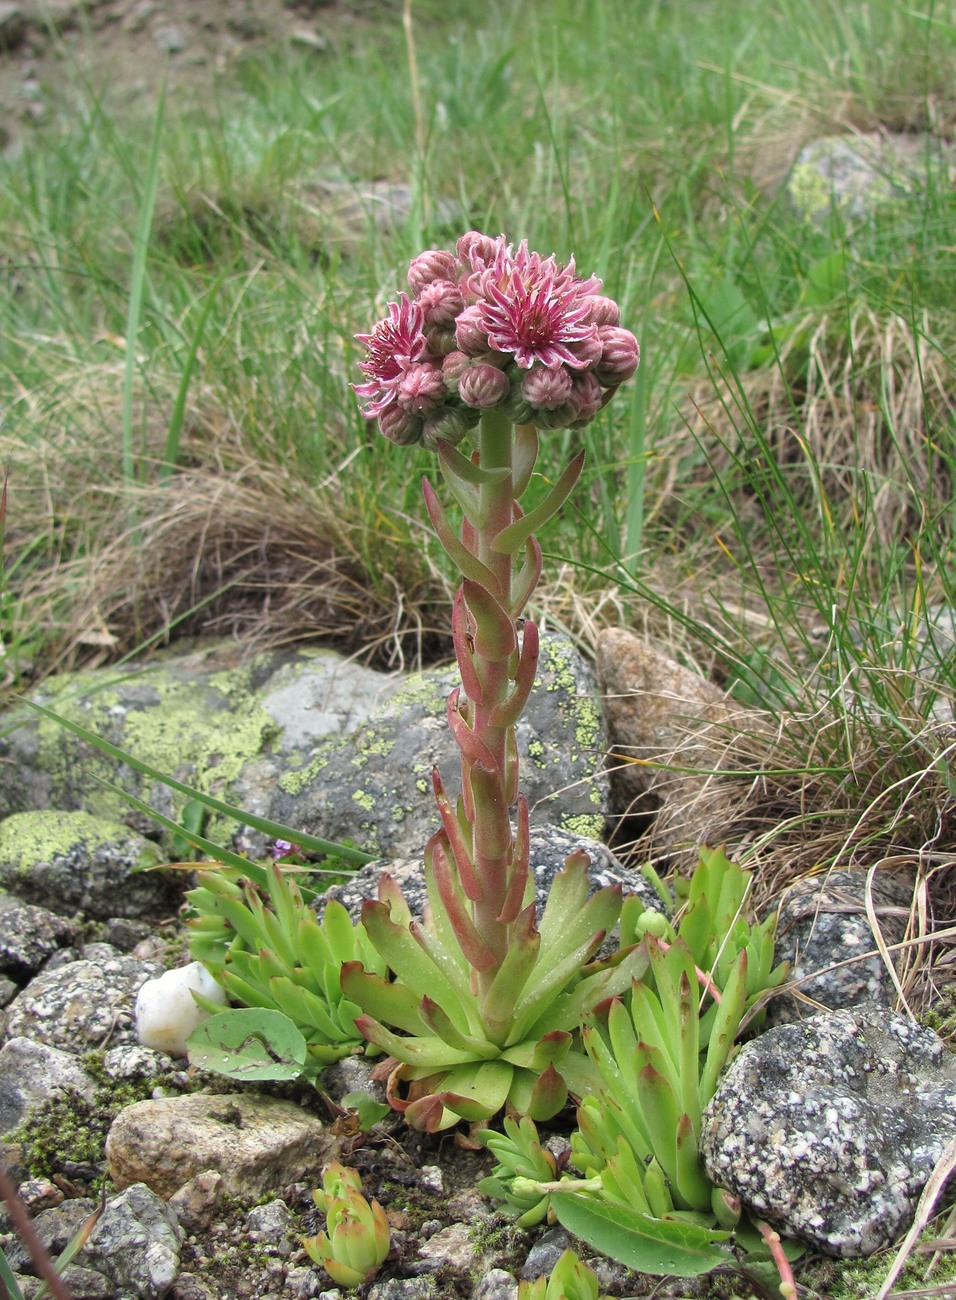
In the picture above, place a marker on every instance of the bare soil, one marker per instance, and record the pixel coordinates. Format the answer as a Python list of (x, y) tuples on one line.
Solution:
[(126, 47)]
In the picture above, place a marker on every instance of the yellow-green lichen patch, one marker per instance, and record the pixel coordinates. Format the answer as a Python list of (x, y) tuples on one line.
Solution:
[(32, 837), (364, 800), (585, 825), (201, 728), (301, 778)]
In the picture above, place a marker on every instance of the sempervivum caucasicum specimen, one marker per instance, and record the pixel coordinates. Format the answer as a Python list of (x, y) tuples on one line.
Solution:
[(486, 1001)]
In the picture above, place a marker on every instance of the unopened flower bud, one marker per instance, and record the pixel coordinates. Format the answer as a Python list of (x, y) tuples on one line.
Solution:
[(516, 407), (421, 389), (604, 311), (440, 301), (399, 427), (433, 264), (470, 336), (588, 350), (440, 339), (453, 367), (620, 356), (562, 417), (450, 424), (587, 396), (483, 386), (546, 389), (477, 250)]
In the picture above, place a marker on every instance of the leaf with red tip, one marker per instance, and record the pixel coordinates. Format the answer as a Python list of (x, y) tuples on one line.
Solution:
[(508, 713), (463, 637), (458, 845), (468, 563), (549, 1095), (495, 635), (516, 534), (477, 953), (518, 880), (528, 576), (474, 751)]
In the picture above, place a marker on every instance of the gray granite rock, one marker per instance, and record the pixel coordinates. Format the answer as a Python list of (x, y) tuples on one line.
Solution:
[(824, 932), (373, 785), (829, 1128), (29, 935), (136, 1244), (82, 1005), (496, 1284), (32, 1072)]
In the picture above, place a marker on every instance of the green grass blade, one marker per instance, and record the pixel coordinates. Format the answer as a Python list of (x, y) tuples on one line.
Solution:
[(137, 283), (274, 829)]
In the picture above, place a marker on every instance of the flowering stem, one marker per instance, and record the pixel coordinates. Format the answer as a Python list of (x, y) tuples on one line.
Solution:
[(491, 830)]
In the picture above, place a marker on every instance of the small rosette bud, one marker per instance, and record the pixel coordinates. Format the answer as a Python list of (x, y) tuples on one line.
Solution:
[(544, 389), (450, 424), (586, 397), (441, 302), (470, 335), (603, 311), (477, 251), (620, 356), (433, 264), (483, 386), (399, 427), (421, 390)]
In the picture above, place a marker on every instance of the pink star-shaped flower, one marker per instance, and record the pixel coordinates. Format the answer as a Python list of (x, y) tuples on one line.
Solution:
[(393, 347)]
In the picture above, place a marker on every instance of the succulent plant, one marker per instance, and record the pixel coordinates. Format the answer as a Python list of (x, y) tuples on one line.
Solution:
[(273, 952), (570, 1279), (356, 1239), (485, 1006)]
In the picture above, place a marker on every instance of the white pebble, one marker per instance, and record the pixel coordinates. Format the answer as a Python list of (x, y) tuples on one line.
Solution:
[(167, 1012)]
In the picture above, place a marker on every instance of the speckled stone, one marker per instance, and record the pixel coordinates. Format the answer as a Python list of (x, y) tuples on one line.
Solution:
[(82, 1005), (830, 1128), (823, 931)]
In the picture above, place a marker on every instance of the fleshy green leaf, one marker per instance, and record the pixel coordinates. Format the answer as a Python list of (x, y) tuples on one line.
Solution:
[(665, 1247)]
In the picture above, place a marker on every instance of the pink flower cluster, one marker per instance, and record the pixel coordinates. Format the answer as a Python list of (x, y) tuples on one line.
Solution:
[(492, 327)]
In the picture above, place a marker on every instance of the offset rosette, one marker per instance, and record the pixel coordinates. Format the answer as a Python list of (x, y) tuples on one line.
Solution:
[(489, 327)]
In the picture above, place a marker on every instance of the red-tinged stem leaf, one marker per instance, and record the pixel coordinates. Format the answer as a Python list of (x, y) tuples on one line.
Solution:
[(508, 713), (526, 579), (495, 637), (513, 974), (518, 880), (516, 534), (466, 468), (460, 850), (524, 456), (469, 564), (443, 1027), (474, 751), (463, 637), (477, 953)]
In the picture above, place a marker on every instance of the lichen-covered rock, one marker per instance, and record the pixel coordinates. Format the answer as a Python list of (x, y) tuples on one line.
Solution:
[(29, 935), (196, 717), (856, 175), (136, 1244), (55, 1227), (82, 1005), (258, 1144), (829, 1128), (74, 862), (32, 1072), (373, 785), (824, 932)]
